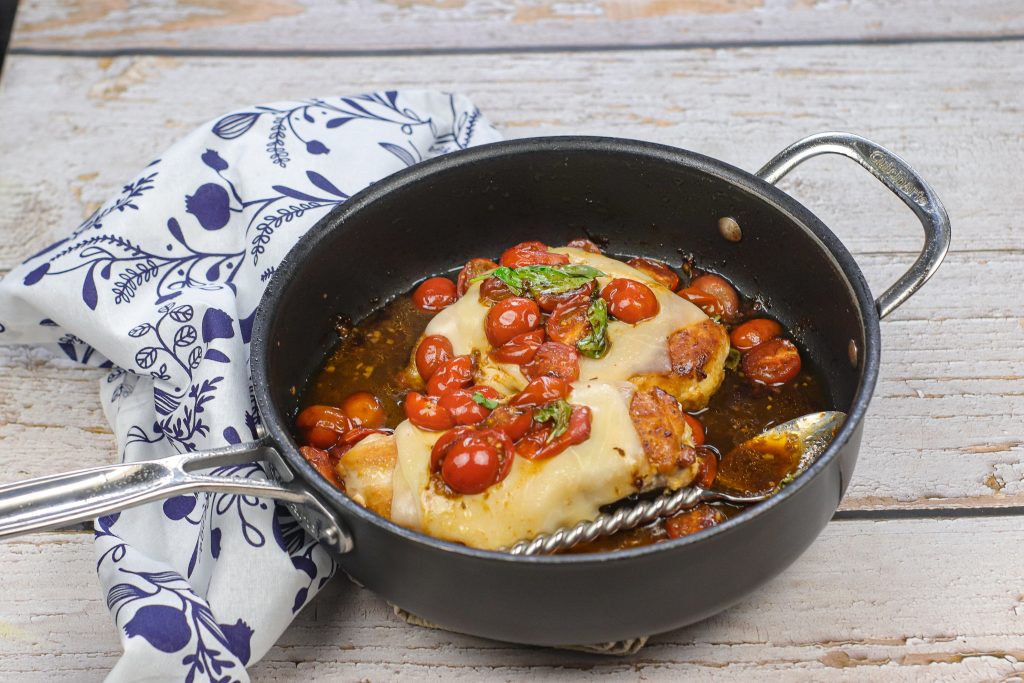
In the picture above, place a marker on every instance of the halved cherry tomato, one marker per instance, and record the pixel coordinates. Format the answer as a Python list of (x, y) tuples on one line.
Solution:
[(531, 254), (320, 460), (773, 363), (657, 270), (364, 410), (473, 268), (511, 317), (541, 391), (719, 288), (519, 349), (702, 300), (703, 516), (493, 290), (707, 463), (537, 446), (456, 373), (754, 332), (696, 427), (434, 294), (555, 360), (322, 426), (569, 323), (630, 301), (425, 413), (584, 244), (515, 422), (433, 352), (463, 408), (548, 302)]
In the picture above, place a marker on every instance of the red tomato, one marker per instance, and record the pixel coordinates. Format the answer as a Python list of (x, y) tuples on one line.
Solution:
[(364, 410), (433, 352), (584, 244), (569, 323), (320, 460), (537, 446), (464, 410), (511, 317), (531, 254), (555, 360), (520, 348), (444, 443), (425, 413), (707, 468), (493, 290), (473, 268), (434, 294), (754, 332), (696, 427), (549, 302), (630, 301), (541, 391), (702, 300), (657, 270), (322, 426), (719, 287), (774, 362), (470, 461), (703, 516), (354, 436), (456, 373), (513, 421)]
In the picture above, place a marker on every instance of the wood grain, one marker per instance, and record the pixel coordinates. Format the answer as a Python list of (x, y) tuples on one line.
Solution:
[(360, 25), (926, 605)]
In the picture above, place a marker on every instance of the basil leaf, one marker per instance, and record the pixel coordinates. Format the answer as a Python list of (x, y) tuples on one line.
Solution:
[(507, 275), (558, 414), (595, 344), (543, 279), (732, 361), (482, 400)]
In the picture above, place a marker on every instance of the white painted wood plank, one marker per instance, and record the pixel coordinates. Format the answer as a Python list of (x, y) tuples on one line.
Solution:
[(880, 601), (474, 24), (76, 129)]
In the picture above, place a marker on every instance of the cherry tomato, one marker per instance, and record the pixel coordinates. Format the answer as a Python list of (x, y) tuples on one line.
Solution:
[(471, 461), (555, 360), (511, 317), (433, 352), (515, 422), (703, 516), (434, 294), (584, 244), (322, 426), (630, 301), (364, 410), (707, 468), (702, 300), (425, 413), (493, 290), (657, 270), (537, 444), (354, 436), (774, 362), (456, 373), (531, 254), (520, 348), (465, 410), (696, 427), (569, 323), (444, 443), (549, 302), (321, 461), (541, 391), (754, 332), (473, 268), (719, 288)]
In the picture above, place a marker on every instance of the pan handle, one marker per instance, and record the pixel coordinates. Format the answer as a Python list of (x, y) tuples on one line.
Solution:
[(62, 499), (901, 179)]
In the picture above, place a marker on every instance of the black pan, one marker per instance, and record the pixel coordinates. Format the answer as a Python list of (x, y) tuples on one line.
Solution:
[(638, 199)]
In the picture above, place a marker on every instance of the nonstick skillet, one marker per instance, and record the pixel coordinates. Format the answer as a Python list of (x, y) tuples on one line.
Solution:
[(643, 199)]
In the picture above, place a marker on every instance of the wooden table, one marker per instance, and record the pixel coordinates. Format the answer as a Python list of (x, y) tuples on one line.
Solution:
[(920, 575)]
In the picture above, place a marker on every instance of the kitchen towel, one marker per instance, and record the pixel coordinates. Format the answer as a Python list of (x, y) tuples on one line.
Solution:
[(160, 286)]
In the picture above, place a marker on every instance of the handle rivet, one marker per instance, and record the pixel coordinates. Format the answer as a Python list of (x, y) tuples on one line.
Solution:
[(853, 353), (730, 229)]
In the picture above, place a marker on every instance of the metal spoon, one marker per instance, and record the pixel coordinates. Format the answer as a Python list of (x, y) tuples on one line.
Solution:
[(752, 472)]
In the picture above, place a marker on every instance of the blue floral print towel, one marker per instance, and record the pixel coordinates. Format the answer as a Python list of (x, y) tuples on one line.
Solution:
[(161, 286)]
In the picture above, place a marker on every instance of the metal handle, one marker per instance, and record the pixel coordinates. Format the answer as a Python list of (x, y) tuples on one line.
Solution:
[(901, 179), (62, 499)]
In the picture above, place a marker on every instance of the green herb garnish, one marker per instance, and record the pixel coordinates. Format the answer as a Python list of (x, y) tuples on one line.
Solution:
[(595, 344), (732, 361), (558, 414), (482, 400), (539, 280)]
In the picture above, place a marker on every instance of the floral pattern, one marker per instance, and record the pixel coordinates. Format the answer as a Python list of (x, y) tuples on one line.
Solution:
[(160, 286)]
